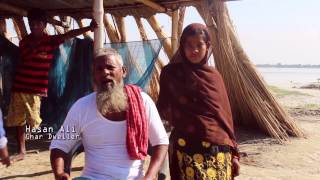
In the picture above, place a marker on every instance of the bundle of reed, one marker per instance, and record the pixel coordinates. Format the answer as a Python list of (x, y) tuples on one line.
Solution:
[(252, 104)]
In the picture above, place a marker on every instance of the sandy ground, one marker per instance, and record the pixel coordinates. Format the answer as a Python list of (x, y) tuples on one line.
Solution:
[(298, 159)]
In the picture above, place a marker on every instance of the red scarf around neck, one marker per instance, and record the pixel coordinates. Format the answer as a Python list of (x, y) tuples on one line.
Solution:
[(137, 126)]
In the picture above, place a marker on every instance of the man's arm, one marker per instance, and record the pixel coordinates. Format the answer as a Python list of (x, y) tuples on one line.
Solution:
[(60, 147), (157, 136), (77, 32), (4, 156), (57, 158), (159, 153)]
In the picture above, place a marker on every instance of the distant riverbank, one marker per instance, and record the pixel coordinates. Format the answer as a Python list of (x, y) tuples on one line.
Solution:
[(289, 77), (288, 66)]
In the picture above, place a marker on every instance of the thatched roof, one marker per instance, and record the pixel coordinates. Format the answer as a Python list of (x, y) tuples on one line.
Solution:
[(83, 8)]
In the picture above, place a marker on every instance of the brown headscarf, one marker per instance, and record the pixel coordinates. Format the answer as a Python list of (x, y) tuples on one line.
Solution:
[(193, 97)]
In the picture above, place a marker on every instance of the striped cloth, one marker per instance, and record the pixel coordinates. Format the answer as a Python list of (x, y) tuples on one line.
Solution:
[(33, 68), (137, 127)]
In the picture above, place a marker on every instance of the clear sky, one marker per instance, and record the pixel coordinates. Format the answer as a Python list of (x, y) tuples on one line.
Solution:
[(284, 31), (271, 31)]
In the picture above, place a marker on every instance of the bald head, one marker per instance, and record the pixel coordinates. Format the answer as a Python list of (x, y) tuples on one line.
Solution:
[(106, 52)]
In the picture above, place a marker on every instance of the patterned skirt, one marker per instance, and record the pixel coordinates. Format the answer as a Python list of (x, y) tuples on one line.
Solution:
[(196, 161)]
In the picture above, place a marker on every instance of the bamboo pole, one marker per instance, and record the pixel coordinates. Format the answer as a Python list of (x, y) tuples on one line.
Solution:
[(122, 28), (81, 25), (153, 5), (174, 31), (161, 35), (98, 13), (182, 11), (58, 29), (19, 27), (153, 89), (16, 28), (67, 21), (141, 29), (3, 27), (112, 34)]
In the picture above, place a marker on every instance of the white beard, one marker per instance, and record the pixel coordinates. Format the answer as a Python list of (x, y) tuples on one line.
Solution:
[(112, 100)]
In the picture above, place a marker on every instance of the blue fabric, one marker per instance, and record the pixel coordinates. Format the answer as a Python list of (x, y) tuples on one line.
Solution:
[(2, 132), (139, 57), (3, 139)]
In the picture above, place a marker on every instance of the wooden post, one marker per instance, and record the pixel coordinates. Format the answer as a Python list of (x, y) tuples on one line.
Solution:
[(174, 31), (122, 28), (112, 34), (161, 35), (19, 27), (98, 13)]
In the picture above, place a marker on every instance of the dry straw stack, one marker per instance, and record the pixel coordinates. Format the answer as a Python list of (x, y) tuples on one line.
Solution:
[(252, 104)]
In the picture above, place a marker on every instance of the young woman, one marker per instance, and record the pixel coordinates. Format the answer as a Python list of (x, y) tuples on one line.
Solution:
[(194, 100)]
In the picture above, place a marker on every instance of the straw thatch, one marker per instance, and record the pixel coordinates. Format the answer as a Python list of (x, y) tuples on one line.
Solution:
[(83, 8)]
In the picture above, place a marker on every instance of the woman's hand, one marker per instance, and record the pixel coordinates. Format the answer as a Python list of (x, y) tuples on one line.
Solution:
[(235, 167)]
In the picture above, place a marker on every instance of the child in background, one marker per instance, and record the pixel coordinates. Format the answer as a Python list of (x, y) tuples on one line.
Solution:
[(31, 77)]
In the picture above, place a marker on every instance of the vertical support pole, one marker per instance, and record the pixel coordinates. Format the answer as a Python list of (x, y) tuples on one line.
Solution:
[(98, 13), (174, 31)]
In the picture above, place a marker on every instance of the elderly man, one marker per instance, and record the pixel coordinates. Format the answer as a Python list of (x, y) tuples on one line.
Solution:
[(114, 124)]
